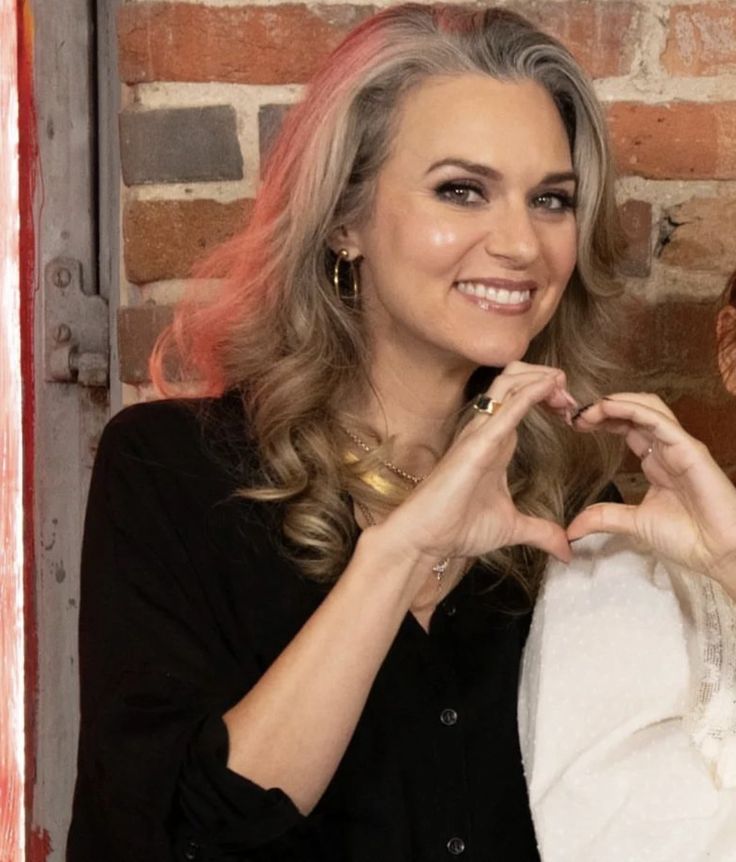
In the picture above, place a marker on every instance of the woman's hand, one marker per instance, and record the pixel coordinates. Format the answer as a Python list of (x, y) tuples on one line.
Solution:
[(688, 515), (464, 509)]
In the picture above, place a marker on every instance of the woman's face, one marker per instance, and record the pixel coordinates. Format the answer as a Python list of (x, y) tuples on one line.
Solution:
[(472, 237)]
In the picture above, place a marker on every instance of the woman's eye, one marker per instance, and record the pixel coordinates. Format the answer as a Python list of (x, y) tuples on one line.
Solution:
[(461, 193), (554, 201)]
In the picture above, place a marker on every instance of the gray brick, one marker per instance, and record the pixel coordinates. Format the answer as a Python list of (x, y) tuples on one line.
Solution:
[(138, 329), (270, 120), (180, 145)]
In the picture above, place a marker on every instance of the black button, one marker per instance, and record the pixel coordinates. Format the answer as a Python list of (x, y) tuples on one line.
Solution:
[(456, 846), (191, 851), (448, 717)]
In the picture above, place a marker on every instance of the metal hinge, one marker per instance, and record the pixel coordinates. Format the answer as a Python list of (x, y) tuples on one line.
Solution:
[(77, 338)]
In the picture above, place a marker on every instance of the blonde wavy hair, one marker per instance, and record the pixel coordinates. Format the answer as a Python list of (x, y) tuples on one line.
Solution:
[(296, 352)]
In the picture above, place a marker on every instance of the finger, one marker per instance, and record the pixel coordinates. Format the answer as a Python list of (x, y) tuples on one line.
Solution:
[(603, 518), (519, 367), (646, 399), (512, 409), (560, 401), (652, 420), (506, 384), (546, 535), (639, 442)]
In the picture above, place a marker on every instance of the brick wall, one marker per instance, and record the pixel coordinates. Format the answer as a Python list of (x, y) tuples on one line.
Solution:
[(206, 85)]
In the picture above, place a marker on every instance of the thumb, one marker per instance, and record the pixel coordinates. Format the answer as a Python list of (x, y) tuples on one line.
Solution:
[(543, 534), (603, 518)]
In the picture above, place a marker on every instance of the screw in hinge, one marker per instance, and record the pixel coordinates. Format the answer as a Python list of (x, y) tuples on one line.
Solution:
[(62, 333), (62, 277)]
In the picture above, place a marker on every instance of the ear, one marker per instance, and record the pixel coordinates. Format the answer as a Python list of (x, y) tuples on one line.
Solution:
[(347, 238), (726, 335)]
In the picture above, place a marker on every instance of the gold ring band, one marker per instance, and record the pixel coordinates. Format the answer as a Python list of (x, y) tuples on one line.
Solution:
[(486, 404)]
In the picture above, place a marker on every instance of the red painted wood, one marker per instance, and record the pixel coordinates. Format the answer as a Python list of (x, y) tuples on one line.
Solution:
[(12, 733), (37, 850)]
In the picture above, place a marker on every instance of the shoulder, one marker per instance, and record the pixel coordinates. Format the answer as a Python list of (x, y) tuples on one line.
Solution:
[(155, 430), (184, 435), (150, 418)]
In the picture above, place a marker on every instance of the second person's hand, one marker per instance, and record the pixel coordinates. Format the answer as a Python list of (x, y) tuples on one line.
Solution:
[(688, 515)]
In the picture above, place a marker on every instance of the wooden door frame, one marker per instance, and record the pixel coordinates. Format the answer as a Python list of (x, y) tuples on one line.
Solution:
[(76, 218)]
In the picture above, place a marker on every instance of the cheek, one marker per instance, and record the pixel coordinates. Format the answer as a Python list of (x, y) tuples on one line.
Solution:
[(429, 244), (562, 252)]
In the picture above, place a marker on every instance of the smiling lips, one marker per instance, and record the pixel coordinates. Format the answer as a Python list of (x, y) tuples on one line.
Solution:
[(515, 295)]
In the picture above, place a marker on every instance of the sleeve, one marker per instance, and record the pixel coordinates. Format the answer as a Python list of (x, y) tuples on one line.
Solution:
[(709, 617), (156, 676), (605, 717)]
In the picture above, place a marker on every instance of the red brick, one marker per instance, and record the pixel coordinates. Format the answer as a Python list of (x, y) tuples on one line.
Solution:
[(713, 422), (284, 43), (636, 222), (602, 36), (672, 341), (701, 235), (681, 140), (138, 329), (164, 239), (710, 419), (701, 40), (279, 44)]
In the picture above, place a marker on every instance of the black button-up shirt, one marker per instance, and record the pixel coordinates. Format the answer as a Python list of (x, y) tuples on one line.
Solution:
[(187, 599)]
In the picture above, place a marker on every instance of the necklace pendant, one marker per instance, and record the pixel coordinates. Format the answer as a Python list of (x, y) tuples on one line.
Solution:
[(440, 568)]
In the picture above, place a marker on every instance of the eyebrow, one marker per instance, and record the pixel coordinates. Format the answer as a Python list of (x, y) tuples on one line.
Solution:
[(492, 174)]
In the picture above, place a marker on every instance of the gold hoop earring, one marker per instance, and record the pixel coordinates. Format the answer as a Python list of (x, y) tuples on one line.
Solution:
[(343, 256)]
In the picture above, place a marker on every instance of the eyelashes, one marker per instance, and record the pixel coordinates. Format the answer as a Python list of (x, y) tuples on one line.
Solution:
[(463, 192), (556, 201), (468, 193)]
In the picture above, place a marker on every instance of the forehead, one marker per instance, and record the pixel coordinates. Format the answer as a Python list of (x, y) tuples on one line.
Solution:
[(481, 119)]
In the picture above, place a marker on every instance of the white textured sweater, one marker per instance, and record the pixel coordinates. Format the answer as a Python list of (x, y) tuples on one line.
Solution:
[(627, 711)]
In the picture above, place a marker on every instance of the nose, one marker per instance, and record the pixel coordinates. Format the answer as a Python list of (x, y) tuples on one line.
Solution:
[(512, 235)]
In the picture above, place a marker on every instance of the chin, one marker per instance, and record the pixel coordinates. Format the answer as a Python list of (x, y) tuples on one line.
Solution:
[(499, 358)]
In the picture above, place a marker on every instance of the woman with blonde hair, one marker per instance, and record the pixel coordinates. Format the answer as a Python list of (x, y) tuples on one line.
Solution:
[(306, 594)]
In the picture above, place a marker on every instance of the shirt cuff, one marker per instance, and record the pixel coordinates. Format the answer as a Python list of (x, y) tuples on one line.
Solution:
[(226, 810)]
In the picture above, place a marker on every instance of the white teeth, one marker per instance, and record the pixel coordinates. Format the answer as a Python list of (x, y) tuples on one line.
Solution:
[(500, 296)]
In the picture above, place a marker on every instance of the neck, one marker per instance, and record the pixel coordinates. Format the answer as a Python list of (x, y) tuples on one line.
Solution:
[(417, 407)]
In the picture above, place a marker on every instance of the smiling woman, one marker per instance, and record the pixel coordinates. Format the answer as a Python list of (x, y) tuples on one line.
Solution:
[(465, 258), (306, 593)]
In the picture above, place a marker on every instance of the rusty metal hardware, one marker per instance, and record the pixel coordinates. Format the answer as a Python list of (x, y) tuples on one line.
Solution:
[(77, 327)]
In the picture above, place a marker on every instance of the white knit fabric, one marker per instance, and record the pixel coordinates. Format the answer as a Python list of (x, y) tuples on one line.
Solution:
[(627, 711)]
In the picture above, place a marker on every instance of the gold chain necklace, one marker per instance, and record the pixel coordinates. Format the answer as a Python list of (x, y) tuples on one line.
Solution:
[(389, 465)]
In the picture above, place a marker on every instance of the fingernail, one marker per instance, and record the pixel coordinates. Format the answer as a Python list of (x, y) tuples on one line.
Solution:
[(579, 412)]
